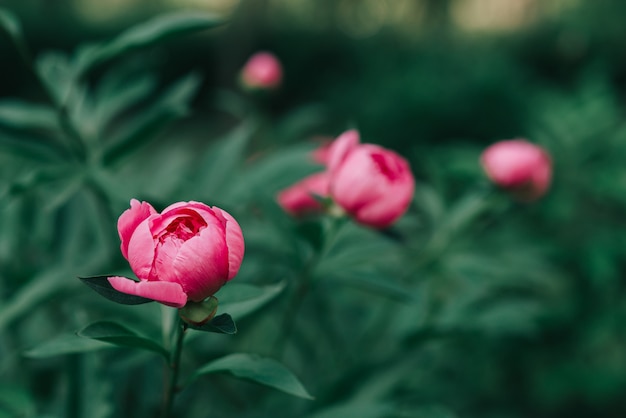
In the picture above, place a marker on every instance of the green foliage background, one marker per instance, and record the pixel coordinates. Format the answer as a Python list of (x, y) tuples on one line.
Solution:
[(474, 305)]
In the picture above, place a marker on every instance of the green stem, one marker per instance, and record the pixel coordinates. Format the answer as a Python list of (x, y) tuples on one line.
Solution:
[(174, 369), (331, 227)]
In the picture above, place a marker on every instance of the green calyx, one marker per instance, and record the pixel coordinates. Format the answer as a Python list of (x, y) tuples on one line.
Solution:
[(199, 313)]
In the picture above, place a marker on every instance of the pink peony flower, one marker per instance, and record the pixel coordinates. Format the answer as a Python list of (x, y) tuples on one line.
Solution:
[(519, 166), (298, 199), (262, 71), (187, 252), (372, 184)]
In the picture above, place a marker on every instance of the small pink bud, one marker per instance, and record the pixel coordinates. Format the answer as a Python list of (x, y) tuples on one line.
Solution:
[(521, 167), (262, 71)]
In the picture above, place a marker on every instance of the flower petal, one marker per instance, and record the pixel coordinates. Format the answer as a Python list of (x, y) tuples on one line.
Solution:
[(201, 265), (130, 219), (234, 242), (141, 249), (341, 147), (297, 198), (170, 294)]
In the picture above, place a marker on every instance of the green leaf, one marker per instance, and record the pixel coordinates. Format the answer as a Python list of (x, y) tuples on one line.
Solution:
[(18, 114), (265, 371), (29, 146), (221, 324), (117, 93), (33, 294), (58, 75), (274, 172), (101, 285), (169, 106), (378, 284), (117, 334), (240, 299), (366, 409), (11, 25), (154, 31), (65, 344), (223, 159), (15, 401)]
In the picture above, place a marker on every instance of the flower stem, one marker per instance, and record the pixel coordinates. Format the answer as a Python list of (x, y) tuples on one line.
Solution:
[(174, 368), (331, 227)]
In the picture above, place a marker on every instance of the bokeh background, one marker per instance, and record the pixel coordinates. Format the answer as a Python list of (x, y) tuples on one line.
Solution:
[(516, 311)]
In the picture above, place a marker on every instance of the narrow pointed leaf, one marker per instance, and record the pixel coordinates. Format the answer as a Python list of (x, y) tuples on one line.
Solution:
[(375, 283), (170, 105), (148, 33), (240, 300), (117, 334), (101, 285), (65, 344), (221, 324), (265, 371), (18, 114), (11, 25)]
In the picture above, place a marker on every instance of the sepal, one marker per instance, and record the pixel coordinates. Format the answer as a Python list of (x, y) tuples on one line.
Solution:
[(221, 324)]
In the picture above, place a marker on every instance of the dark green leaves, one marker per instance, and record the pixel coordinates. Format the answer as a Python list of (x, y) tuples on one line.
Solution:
[(10, 25), (101, 285), (19, 114), (170, 105), (265, 371), (240, 299), (65, 344), (221, 324), (114, 333), (153, 31)]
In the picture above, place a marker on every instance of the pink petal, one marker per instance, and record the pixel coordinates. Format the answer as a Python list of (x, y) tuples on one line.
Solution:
[(357, 181), (341, 147), (384, 211), (141, 249), (374, 184), (234, 242), (130, 219), (297, 199), (170, 294), (201, 265)]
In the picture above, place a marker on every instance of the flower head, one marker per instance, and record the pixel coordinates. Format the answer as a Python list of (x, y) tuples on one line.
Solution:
[(372, 184), (262, 71), (186, 252), (519, 166)]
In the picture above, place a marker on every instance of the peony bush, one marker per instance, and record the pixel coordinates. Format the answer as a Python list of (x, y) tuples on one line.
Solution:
[(257, 271)]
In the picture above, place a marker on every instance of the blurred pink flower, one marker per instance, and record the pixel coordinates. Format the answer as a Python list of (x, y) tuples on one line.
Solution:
[(298, 199), (370, 183), (519, 166), (262, 71), (187, 252)]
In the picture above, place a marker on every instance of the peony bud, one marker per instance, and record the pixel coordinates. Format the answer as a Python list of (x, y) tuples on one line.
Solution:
[(372, 184), (521, 167), (262, 71), (185, 253)]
